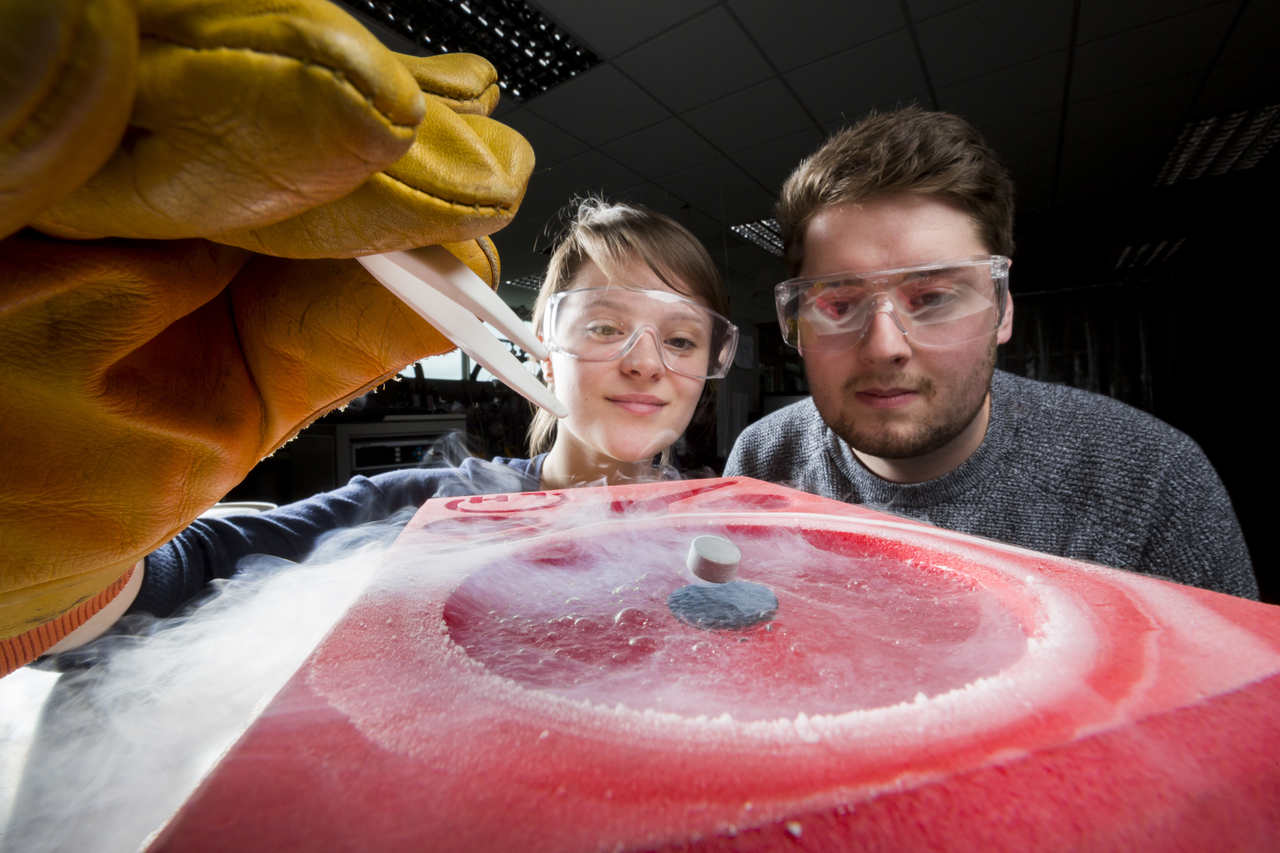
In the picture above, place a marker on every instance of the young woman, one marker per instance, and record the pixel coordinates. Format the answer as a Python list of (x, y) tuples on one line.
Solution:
[(633, 311)]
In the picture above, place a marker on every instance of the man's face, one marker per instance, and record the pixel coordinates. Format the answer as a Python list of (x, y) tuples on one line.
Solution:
[(887, 397)]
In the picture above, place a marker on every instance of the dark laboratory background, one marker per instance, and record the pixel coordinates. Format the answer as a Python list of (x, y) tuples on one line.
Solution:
[(1140, 134)]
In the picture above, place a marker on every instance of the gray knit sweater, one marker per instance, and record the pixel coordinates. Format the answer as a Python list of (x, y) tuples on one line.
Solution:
[(1060, 470)]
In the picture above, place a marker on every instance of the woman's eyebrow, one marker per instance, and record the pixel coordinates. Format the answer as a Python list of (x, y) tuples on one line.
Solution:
[(686, 310), (604, 301), (681, 307)]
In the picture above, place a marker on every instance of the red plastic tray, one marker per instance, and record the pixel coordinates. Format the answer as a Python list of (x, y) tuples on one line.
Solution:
[(514, 680)]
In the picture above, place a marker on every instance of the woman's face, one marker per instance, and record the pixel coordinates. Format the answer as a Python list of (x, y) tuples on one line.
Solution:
[(629, 409)]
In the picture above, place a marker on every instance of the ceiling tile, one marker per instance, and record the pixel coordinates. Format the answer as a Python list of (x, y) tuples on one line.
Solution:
[(1005, 95), (710, 233), (653, 197), (756, 273), (1027, 144), (550, 191), (610, 28), (551, 145), (599, 105), (1182, 45), (981, 37), (1239, 85), (745, 118), (518, 250), (660, 149), (722, 191), (883, 74), (593, 171), (527, 240), (1117, 143), (523, 245), (1099, 18), (923, 9), (797, 33), (746, 263), (1017, 110), (505, 107), (771, 162), (1255, 37), (1138, 65), (698, 61), (1247, 76)]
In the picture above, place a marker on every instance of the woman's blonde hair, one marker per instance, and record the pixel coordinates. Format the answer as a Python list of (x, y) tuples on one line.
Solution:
[(609, 235)]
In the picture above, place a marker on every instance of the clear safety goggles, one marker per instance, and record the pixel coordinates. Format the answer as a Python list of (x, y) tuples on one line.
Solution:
[(605, 323), (934, 305)]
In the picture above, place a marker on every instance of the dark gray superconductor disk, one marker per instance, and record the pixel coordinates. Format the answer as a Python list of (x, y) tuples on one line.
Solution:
[(736, 604)]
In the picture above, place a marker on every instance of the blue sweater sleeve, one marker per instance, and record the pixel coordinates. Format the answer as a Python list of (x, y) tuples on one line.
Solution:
[(211, 548)]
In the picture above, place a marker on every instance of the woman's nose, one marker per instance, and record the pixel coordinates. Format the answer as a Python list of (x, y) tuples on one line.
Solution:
[(644, 357)]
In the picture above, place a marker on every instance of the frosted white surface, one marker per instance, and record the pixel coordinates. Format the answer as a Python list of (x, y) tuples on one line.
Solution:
[(577, 637), (850, 632), (567, 632), (98, 760)]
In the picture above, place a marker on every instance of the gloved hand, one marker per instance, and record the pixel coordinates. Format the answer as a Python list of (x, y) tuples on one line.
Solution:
[(144, 377)]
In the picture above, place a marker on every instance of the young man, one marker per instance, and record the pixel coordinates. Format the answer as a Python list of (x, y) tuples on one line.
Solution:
[(898, 231)]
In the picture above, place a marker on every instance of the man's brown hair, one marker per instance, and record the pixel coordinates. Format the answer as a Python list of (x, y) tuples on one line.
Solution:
[(906, 151)]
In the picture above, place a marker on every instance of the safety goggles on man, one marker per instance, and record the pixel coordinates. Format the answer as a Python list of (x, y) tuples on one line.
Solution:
[(604, 323), (933, 305)]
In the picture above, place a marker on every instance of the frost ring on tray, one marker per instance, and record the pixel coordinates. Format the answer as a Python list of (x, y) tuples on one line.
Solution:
[(1060, 646)]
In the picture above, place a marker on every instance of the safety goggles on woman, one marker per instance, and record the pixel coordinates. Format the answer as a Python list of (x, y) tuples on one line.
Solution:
[(933, 305), (604, 323)]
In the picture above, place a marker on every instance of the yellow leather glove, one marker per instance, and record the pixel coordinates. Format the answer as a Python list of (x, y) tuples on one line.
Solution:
[(67, 71), (145, 377)]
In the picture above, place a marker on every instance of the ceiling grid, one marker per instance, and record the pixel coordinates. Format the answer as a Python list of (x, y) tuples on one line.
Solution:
[(701, 109)]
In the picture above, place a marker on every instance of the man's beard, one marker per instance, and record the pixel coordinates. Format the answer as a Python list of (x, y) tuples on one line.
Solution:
[(920, 437)]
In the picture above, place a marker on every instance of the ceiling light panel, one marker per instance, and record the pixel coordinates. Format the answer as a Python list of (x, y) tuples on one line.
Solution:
[(530, 52), (764, 233), (1221, 144)]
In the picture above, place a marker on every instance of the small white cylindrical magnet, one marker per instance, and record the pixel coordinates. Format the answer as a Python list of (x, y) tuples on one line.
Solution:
[(713, 558)]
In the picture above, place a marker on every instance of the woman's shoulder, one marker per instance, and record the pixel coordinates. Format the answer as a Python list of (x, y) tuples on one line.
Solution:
[(502, 474), (472, 476)]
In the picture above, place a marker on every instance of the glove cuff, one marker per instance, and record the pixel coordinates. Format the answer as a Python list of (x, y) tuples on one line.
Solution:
[(22, 649)]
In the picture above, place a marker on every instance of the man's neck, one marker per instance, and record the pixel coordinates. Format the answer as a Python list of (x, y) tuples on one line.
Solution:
[(935, 463)]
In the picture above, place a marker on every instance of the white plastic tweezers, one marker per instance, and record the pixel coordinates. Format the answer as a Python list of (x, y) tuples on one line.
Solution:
[(449, 296)]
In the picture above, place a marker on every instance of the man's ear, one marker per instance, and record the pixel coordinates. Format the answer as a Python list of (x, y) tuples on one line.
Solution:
[(1006, 322)]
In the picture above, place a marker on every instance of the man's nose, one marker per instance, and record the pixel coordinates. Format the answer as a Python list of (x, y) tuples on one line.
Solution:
[(883, 338), (644, 357)]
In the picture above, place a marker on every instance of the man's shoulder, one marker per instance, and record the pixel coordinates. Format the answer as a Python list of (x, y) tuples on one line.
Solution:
[(1080, 414), (1133, 491), (778, 441), (788, 422), (1071, 441), (802, 409)]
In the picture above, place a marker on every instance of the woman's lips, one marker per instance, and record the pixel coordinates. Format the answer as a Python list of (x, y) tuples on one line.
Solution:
[(886, 398), (638, 404)]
